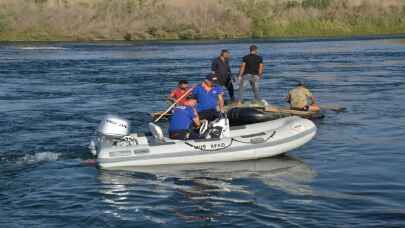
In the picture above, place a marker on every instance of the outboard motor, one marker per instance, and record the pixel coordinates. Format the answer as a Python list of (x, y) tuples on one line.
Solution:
[(112, 130), (113, 127)]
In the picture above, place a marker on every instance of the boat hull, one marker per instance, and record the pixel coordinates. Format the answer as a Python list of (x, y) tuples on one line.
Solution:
[(248, 142)]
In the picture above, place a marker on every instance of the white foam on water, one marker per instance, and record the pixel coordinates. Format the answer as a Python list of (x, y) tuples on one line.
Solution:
[(38, 157)]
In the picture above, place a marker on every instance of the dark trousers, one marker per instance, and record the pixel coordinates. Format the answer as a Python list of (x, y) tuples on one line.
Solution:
[(185, 134), (229, 86), (209, 114), (180, 134), (306, 108)]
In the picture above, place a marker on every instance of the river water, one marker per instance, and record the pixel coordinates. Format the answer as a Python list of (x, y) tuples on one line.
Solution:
[(52, 96)]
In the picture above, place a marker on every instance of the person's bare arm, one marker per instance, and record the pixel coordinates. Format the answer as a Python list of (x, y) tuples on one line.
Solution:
[(171, 97), (288, 98), (261, 70), (221, 102), (196, 119), (241, 70), (313, 99)]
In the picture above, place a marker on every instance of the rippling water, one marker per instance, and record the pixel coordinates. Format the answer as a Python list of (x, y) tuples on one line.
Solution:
[(52, 96)]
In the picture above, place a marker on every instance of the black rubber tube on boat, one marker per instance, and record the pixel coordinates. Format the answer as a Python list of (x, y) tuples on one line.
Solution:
[(240, 116)]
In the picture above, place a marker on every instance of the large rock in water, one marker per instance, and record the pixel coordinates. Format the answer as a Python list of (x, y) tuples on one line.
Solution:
[(247, 115)]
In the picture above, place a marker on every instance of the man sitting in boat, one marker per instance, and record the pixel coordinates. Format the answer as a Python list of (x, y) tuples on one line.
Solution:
[(301, 99), (209, 96), (182, 88), (182, 121)]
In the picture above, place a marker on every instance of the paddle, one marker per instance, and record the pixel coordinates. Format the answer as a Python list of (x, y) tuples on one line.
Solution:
[(174, 104), (335, 108), (272, 108)]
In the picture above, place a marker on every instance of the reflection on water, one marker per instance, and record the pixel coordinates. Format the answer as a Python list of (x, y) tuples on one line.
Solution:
[(201, 186)]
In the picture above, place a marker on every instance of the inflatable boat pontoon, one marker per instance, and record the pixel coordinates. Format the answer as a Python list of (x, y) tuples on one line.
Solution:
[(115, 148)]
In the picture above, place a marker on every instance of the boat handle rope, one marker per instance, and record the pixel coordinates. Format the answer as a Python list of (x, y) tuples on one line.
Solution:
[(227, 146), (250, 142)]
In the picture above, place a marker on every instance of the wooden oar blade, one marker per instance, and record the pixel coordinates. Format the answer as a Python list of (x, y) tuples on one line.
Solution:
[(335, 108)]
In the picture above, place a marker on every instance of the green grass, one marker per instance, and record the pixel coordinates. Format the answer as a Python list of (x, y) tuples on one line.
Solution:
[(212, 19), (3, 22)]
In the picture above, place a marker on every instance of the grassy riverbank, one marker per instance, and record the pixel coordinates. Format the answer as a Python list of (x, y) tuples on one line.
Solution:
[(194, 19)]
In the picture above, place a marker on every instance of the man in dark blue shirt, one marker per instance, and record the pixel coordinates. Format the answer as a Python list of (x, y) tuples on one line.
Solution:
[(182, 120), (220, 67), (209, 96), (251, 70)]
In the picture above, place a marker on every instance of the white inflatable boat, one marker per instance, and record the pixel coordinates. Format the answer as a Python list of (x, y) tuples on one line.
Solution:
[(115, 148)]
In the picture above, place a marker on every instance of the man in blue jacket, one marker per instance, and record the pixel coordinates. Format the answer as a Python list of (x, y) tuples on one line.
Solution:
[(182, 121)]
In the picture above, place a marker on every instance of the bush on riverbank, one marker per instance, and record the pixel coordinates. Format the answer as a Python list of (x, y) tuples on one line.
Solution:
[(188, 19)]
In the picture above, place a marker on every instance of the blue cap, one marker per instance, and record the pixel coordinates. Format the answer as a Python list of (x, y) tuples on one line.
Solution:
[(211, 77)]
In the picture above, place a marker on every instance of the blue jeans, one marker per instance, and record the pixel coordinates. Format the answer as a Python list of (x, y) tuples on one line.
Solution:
[(254, 83)]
